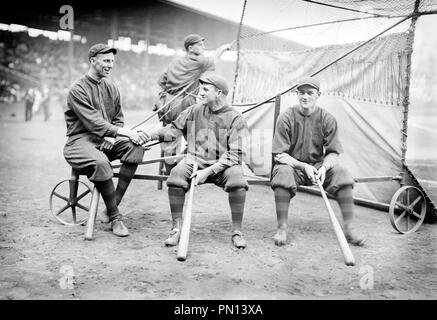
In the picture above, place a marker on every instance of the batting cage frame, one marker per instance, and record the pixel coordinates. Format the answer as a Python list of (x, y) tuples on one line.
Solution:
[(405, 177)]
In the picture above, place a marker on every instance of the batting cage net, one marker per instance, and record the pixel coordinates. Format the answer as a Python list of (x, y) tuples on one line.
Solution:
[(385, 8), (375, 72), (364, 84)]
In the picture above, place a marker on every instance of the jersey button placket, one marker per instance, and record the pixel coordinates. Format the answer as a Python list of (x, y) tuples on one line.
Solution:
[(306, 133), (303, 139)]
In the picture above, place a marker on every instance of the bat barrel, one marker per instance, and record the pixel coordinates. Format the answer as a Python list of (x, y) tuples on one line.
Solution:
[(92, 214), (344, 246), (186, 223)]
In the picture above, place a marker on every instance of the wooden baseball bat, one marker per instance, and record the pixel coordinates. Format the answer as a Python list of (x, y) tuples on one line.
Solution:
[(344, 246), (92, 214), (186, 223)]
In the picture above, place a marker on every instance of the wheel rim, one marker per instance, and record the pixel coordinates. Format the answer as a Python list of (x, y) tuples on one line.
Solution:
[(407, 209), (71, 212)]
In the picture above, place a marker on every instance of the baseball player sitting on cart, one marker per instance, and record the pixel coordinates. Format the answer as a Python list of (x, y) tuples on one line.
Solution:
[(215, 133), (95, 122), (305, 148), (182, 72)]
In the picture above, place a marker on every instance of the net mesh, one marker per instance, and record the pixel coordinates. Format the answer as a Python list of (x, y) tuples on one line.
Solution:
[(387, 7), (270, 57), (375, 72), (274, 24)]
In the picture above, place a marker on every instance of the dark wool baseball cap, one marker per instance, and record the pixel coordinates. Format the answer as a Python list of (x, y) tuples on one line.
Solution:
[(309, 81), (100, 48), (218, 81), (192, 39)]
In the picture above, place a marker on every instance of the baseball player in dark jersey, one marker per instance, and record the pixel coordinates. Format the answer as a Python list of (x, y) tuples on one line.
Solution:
[(180, 73), (96, 134), (305, 148), (215, 133)]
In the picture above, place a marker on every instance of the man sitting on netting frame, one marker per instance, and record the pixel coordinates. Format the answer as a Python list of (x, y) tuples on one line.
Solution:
[(96, 135), (215, 133)]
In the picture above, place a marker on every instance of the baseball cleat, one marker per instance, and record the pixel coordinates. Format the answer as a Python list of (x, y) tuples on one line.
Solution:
[(173, 238), (119, 229), (238, 240)]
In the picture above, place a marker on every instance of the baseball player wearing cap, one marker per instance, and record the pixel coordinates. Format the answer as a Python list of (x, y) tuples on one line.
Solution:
[(305, 148), (95, 122), (215, 133), (180, 73)]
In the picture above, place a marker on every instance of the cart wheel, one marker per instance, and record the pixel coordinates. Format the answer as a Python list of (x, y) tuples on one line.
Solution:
[(70, 207), (407, 209)]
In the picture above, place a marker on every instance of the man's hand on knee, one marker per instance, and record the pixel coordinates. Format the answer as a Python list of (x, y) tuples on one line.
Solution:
[(107, 144)]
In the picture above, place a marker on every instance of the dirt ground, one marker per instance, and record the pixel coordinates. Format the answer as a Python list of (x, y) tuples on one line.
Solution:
[(36, 250)]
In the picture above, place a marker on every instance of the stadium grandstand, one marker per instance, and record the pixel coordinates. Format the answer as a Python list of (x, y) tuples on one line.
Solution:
[(35, 52)]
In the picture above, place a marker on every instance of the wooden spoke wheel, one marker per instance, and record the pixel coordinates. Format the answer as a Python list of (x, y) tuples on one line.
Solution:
[(69, 202), (407, 209)]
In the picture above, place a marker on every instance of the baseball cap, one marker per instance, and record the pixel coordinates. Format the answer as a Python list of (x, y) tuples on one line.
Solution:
[(218, 81), (192, 39), (309, 81), (100, 48)]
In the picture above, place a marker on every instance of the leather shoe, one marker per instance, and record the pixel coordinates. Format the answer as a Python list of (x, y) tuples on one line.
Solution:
[(173, 238), (354, 239), (119, 229), (238, 240)]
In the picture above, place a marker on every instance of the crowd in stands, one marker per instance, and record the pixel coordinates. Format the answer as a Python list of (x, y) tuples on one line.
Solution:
[(47, 60), (10, 91), (138, 84)]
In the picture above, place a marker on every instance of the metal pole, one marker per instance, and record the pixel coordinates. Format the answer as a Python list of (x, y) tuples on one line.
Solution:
[(406, 101), (275, 117), (317, 25), (358, 201), (344, 8), (71, 57), (238, 50)]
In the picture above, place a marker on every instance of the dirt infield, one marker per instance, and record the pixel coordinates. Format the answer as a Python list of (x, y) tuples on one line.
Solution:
[(36, 251)]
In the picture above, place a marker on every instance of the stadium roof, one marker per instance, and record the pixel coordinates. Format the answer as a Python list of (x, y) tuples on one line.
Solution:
[(159, 21)]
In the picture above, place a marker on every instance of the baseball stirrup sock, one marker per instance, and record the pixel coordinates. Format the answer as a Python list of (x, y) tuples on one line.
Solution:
[(106, 189), (176, 197), (282, 202), (346, 203), (237, 199), (125, 175)]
